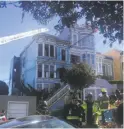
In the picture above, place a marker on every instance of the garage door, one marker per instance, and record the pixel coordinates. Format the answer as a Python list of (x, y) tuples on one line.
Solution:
[(17, 109)]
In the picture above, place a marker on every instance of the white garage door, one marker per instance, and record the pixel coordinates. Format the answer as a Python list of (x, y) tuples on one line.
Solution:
[(17, 109)]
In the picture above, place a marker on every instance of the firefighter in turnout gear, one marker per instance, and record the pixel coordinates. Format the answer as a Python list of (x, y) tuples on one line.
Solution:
[(103, 103), (73, 113), (92, 110)]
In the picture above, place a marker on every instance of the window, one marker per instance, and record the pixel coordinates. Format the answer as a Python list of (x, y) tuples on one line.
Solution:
[(39, 49), (74, 39), (92, 58), (84, 57), (39, 70), (51, 71), (63, 54), (88, 58), (46, 71), (46, 50), (51, 51), (110, 70), (103, 69)]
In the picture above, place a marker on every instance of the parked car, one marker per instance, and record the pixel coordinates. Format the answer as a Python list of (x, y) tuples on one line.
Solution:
[(36, 121)]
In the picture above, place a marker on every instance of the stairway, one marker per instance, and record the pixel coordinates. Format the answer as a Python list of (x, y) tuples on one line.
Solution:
[(58, 96), (57, 100)]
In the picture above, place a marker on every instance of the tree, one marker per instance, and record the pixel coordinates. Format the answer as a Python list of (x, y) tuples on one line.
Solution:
[(80, 76), (4, 90), (107, 16)]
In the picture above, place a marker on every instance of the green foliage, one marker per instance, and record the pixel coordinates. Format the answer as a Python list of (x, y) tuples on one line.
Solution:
[(107, 16), (80, 76), (4, 90), (116, 82)]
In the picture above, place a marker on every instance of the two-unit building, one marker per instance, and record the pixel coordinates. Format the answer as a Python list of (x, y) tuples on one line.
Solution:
[(41, 60), (104, 66)]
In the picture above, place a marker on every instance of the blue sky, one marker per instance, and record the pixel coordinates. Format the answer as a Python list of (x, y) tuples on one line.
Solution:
[(10, 23)]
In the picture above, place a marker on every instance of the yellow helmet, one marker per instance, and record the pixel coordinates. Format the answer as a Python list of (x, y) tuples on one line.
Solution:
[(103, 90)]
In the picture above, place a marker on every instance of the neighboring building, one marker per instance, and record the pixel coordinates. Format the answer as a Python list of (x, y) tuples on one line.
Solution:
[(116, 55), (104, 66), (82, 44), (42, 58), (14, 79), (18, 106), (122, 64)]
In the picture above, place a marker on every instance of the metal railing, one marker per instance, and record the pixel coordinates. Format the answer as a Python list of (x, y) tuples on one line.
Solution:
[(58, 95)]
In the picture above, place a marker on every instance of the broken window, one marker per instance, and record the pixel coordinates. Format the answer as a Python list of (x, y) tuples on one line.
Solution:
[(75, 59), (51, 51), (63, 55)]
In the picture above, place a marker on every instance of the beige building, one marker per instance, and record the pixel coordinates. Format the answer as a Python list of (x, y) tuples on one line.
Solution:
[(117, 63)]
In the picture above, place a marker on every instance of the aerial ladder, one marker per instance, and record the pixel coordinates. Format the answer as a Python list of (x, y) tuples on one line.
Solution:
[(7, 39)]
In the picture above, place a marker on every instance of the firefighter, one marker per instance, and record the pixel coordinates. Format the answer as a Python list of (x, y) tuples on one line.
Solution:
[(73, 113), (103, 103), (112, 101), (92, 110)]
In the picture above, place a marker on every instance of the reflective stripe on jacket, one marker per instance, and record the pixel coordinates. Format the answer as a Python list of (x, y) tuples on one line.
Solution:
[(73, 118), (96, 108)]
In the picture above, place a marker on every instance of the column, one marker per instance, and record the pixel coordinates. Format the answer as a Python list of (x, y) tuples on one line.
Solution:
[(43, 49), (54, 51), (54, 71), (49, 51), (42, 70)]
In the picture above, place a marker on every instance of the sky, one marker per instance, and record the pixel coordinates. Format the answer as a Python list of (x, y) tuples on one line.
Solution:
[(10, 24)]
